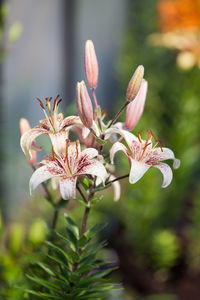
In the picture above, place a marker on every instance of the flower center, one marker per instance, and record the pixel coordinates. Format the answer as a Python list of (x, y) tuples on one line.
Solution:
[(147, 143), (52, 118)]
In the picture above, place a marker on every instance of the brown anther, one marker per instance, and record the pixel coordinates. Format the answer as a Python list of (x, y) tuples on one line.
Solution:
[(41, 104), (53, 153), (55, 102), (59, 101), (160, 145), (48, 99)]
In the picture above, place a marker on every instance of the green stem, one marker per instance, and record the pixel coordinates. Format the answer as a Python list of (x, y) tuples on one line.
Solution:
[(55, 218), (119, 113)]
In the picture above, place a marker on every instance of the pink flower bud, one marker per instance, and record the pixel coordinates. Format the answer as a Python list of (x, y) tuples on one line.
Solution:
[(23, 127), (136, 107), (134, 83), (91, 64), (84, 104)]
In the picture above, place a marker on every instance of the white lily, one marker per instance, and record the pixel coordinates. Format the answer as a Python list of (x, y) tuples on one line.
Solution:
[(55, 126), (142, 155), (67, 167)]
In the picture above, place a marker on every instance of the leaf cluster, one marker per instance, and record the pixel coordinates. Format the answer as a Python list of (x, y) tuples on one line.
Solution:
[(69, 269)]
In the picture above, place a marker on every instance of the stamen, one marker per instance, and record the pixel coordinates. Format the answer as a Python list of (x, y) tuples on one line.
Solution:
[(41, 104), (53, 153), (54, 104), (157, 141), (138, 136), (77, 144), (49, 108), (66, 157), (59, 101)]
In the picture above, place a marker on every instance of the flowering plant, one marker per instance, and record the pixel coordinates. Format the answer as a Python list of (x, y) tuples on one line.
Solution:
[(88, 171)]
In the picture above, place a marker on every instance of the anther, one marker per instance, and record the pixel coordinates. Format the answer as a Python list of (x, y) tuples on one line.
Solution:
[(41, 104)]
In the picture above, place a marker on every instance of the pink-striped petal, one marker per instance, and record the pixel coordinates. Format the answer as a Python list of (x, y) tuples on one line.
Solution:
[(94, 168), (88, 153), (68, 187), (71, 121), (166, 172), (118, 147), (138, 169), (28, 137), (40, 175), (164, 154)]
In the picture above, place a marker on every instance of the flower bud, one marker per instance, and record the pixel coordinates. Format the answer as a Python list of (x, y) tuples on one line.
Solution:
[(84, 104), (91, 64), (134, 83), (136, 107), (23, 127)]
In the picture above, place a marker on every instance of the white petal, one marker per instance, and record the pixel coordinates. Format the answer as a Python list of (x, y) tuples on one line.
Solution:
[(85, 132), (68, 187), (58, 140), (117, 147), (94, 168), (28, 137), (71, 121), (39, 176), (165, 154), (167, 173), (89, 153), (116, 188), (138, 169)]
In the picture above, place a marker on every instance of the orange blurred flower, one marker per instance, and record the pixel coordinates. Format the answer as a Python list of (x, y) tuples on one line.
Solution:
[(179, 23)]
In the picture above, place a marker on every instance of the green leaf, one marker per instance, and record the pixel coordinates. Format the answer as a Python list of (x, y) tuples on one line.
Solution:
[(70, 244), (68, 258), (46, 268), (73, 226), (44, 295), (44, 283), (72, 238)]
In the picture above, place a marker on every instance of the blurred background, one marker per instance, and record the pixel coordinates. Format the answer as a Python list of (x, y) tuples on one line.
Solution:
[(153, 233)]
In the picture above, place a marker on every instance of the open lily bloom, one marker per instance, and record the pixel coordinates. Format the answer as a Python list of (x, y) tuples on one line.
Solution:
[(66, 167), (142, 155), (55, 126)]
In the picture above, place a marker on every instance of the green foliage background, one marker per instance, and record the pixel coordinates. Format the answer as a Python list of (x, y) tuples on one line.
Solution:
[(160, 228)]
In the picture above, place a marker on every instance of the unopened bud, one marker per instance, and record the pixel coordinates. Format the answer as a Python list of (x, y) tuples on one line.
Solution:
[(135, 83), (91, 64), (23, 127), (84, 104), (135, 108)]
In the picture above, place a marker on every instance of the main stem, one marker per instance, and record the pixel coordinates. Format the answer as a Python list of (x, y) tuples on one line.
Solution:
[(85, 219)]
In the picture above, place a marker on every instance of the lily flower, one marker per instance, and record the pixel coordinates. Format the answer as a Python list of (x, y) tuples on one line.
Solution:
[(55, 126), (66, 167), (142, 155)]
